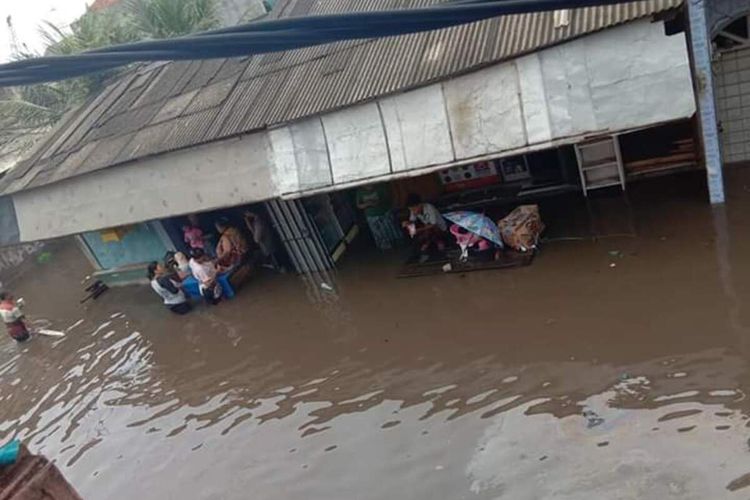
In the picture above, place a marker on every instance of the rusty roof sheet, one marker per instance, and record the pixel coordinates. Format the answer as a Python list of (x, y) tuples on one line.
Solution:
[(162, 107)]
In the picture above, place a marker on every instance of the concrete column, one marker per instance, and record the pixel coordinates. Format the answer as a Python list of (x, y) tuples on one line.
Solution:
[(700, 46)]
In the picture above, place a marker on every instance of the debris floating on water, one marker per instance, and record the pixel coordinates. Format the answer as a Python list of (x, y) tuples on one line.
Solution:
[(592, 418), (50, 333)]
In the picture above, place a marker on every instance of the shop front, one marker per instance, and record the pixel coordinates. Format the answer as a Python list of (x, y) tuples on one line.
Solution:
[(536, 185), (312, 233)]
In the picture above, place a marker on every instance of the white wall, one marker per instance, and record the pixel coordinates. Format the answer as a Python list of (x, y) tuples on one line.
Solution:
[(624, 77), (300, 156), (484, 110), (357, 146), (617, 79), (223, 174), (413, 119)]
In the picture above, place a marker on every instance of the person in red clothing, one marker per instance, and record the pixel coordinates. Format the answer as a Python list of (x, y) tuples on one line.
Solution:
[(13, 317)]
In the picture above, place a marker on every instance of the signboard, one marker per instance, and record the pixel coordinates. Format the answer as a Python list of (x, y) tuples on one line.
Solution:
[(514, 169), (470, 176)]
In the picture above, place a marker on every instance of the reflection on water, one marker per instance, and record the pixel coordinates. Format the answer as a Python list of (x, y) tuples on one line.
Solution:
[(569, 379)]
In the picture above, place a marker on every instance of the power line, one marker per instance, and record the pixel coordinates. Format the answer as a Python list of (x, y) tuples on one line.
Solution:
[(267, 36)]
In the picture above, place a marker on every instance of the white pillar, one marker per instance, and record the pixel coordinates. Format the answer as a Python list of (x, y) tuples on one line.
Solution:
[(700, 45)]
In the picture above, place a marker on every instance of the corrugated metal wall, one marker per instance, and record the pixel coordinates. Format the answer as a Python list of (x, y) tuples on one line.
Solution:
[(300, 236)]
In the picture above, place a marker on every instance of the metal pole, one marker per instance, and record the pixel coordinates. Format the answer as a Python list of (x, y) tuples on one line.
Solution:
[(703, 83)]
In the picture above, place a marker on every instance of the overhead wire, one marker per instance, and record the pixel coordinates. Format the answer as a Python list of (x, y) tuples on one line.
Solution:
[(274, 35)]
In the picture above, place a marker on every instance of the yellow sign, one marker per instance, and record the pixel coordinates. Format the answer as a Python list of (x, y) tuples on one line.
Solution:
[(115, 234)]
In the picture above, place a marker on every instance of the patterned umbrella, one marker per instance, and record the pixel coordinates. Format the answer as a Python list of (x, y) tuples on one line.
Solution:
[(478, 224)]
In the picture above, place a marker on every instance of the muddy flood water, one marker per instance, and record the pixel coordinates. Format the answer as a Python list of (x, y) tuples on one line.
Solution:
[(609, 368)]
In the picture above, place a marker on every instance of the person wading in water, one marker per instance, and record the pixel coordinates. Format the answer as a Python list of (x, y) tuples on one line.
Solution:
[(169, 290), (13, 318)]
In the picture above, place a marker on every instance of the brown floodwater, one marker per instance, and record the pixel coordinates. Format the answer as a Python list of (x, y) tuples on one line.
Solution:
[(615, 367)]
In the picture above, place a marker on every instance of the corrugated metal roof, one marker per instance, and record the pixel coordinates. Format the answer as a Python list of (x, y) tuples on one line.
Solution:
[(166, 106)]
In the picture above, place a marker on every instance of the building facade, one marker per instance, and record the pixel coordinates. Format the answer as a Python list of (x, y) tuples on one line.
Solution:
[(289, 126)]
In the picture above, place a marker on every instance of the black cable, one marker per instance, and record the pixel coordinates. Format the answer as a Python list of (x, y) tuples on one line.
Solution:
[(277, 35)]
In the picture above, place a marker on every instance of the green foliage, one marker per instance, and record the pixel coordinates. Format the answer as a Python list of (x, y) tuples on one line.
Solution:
[(91, 31), (171, 18), (32, 107), (38, 106)]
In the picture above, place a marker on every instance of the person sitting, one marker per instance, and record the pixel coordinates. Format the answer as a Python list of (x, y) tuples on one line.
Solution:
[(193, 234), (231, 251), (13, 317), (205, 272), (169, 290), (426, 226), (472, 245)]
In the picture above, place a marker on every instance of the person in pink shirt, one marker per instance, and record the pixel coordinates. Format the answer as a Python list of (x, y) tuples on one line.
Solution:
[(471, 244), (193, 234)]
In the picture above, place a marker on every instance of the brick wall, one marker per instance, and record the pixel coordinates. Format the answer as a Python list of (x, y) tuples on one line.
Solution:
[(733, 103)]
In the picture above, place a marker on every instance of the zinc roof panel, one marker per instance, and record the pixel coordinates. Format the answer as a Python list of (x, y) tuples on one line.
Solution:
[(241, 94)]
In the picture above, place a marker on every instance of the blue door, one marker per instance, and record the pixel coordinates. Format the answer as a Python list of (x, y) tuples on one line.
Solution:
[(136, 244)]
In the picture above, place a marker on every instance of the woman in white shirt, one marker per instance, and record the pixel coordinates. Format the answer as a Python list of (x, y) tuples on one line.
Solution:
[(205, 272)]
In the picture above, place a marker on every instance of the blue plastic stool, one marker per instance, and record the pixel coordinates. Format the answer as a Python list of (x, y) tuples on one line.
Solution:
[(9, 452)]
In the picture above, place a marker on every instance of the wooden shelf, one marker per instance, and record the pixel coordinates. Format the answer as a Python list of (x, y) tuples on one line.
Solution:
[(589, 145), (665, 168), (596, 166), (604, 184), (602, 168)]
